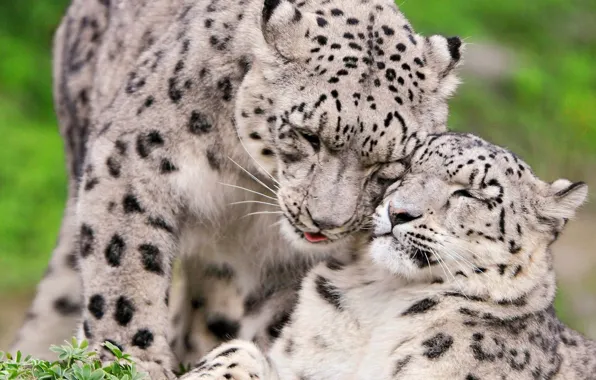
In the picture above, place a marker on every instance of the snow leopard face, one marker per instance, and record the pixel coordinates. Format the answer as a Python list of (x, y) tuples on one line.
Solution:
[(337, 95), (465, 208)]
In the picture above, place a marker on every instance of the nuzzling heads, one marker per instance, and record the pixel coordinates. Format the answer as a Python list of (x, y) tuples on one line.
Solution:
[(469, 211), (336, 96)]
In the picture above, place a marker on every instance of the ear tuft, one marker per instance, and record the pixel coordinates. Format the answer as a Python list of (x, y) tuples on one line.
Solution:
[(444, 53), (564, 187), (572, 196), (566, 198)]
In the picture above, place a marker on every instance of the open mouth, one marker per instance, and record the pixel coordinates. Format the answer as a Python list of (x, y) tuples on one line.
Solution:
[(318, 237), (315, 237)]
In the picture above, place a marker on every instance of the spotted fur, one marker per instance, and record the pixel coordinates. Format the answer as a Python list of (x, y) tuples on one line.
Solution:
[(161, 101), (457, 283)]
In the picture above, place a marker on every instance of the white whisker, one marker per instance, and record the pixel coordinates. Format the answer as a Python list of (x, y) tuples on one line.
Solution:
[(430, 271), (252, 176), (444, 264), (257, 162), (457, 257), (275, 224), (262, 213), (250, 191), (461, 288), (262, 203), (456, 254), (440, 263)]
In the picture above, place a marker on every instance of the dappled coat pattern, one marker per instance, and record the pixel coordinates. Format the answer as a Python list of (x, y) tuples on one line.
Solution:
[(457, 283), (161, 103)]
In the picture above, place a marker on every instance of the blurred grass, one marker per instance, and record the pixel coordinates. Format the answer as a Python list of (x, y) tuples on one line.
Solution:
[(32, 193), (544, 109), (32, 174)]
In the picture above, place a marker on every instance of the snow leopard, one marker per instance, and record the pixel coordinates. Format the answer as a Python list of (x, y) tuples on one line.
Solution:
[(455, 282), (246, 140)]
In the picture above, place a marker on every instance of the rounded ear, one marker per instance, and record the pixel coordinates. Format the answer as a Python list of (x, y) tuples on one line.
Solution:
[(443, 55), (565, 197), (269, 7), (284, 27)]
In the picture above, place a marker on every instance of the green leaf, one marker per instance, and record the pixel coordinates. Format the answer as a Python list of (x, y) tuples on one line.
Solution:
[(97, 375), (56, 369), (56, 349), (75, 363), (115, 350)]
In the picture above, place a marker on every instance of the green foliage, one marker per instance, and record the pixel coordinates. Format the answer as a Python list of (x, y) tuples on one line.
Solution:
[(74, 362), (32, 193), (32, 173), (182, 369)]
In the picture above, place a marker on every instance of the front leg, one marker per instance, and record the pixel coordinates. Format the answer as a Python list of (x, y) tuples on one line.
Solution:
[(238, 360), (127, 241)]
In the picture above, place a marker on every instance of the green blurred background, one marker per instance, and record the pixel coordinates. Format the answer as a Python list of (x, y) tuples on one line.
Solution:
[(529, 84)]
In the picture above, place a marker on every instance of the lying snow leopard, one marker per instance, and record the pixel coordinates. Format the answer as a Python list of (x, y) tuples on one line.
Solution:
[(457, 283), (159, 100)]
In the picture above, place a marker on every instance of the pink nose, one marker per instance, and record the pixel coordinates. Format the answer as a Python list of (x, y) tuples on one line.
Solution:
[(396, 210)]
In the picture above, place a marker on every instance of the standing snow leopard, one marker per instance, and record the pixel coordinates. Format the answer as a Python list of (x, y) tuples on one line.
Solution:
[(158, 101), (457, 283)]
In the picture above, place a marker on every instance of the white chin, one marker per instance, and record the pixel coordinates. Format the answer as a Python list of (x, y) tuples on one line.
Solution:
[(299, 243), (385, 254)]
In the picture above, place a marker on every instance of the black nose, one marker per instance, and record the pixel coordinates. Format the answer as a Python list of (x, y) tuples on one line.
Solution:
[(399, 216)]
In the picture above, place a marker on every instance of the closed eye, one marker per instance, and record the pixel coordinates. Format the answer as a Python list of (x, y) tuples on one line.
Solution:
[(463, 193), (394, 170), (313, 140)]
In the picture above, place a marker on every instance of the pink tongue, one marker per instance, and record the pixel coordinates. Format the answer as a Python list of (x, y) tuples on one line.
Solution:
[(314, 237)]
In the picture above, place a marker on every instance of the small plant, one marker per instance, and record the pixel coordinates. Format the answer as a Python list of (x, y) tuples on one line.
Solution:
[(74, 362), (182, 369)]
